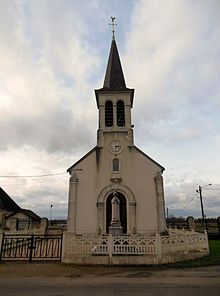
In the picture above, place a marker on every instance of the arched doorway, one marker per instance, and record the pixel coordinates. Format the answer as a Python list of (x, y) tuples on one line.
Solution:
[(130, 207), (123, 211)]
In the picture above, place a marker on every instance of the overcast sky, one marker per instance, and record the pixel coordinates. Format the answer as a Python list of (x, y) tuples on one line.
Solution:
[(53, 54)]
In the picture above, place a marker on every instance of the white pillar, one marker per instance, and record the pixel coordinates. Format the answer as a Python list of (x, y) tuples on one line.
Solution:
[(72, 204), (132, 218), (100, 212), (161, 220)]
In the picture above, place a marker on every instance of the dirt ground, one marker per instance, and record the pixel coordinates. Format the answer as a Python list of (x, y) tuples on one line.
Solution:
[(58, 270), (45, 270)]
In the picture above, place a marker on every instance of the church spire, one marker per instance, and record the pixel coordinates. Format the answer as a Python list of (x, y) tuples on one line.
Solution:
[(114, 77), (114, 82)]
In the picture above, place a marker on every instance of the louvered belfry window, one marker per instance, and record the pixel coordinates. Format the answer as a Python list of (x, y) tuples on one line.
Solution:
[(120, 113), (108, 114)]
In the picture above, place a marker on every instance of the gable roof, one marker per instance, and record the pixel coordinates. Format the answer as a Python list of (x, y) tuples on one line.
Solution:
[(7, 203), (96, 148), (29, 213), (151, 159), (82, 158)]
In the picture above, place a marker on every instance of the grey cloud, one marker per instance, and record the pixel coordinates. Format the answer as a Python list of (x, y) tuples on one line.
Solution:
[(172, 59), (55, 131), (183, 200), (40, 198)]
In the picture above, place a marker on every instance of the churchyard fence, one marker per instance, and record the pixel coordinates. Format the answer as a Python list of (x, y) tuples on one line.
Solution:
[(30, 247), (211, 225), (157, 246)]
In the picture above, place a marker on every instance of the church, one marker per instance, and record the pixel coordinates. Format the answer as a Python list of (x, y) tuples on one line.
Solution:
[(116, 208), (115, 167)]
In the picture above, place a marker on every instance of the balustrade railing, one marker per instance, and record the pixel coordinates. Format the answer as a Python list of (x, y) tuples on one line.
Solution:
[(135, 245)]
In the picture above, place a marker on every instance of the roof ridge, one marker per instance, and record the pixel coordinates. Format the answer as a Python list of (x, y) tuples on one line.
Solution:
[(6, 202)]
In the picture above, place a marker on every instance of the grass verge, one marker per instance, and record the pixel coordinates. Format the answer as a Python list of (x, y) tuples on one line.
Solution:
[(212, 259)]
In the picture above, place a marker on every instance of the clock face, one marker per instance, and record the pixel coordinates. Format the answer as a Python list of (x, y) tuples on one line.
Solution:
[(115, 147)]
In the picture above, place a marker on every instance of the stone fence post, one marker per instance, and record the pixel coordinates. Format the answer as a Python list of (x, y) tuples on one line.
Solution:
[(158, 247), (185, 243), (191, 223), (110, 247), (43, 225)]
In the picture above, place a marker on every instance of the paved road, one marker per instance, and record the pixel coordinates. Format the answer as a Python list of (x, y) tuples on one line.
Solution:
[(109, 286), (200, 281)]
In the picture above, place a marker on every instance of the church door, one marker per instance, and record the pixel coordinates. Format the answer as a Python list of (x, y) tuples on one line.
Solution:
[(123, 212)]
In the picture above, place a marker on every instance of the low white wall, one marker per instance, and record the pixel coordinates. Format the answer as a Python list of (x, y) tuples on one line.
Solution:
[(138, 249)]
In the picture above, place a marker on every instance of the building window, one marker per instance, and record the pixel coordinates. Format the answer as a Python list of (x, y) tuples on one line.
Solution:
[(108, 113), (120, 113), (115, 165)]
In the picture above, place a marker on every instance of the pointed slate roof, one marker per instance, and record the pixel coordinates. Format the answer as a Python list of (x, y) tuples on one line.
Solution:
[(114, 77), (6, 202)]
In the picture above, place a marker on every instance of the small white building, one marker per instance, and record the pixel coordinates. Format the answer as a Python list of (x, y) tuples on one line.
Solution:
[(115, 189), (115, 164)]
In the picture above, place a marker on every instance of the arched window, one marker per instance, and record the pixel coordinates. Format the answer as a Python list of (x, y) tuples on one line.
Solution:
[(108, 113), (115, 165), (120, 113)]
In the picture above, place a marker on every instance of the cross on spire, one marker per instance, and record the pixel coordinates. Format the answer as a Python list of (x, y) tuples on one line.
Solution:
[(113, 24)]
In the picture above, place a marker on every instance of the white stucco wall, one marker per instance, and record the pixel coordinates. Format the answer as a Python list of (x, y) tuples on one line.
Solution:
[(137, 172)]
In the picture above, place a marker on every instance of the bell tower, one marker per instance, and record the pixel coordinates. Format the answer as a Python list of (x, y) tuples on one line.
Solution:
[(115, 188), (114, 101)]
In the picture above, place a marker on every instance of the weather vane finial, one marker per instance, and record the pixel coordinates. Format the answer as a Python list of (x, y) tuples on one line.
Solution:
[(113, 24)]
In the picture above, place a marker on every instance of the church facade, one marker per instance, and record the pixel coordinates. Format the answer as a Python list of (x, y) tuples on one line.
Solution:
[(115, 167), (116, 211)]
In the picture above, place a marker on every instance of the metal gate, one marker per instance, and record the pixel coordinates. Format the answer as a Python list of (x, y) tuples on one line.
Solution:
[(31, 247)]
